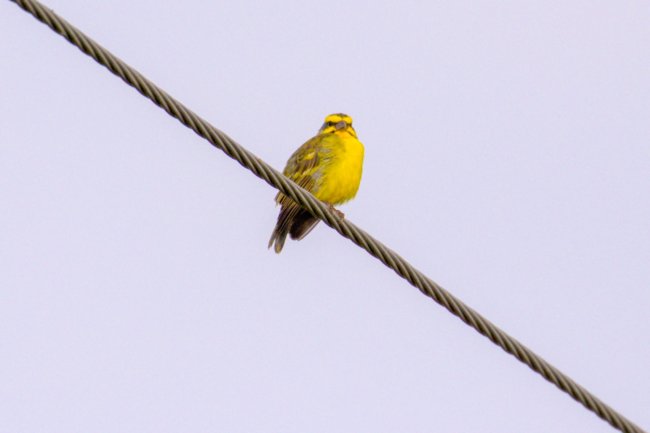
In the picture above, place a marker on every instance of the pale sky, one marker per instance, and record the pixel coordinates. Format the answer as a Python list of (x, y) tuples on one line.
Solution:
[(507, 157)]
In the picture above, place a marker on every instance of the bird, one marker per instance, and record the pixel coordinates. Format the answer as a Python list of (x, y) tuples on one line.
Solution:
[(329, 165)]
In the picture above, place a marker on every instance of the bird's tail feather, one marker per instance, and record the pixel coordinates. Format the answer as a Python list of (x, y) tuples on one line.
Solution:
[(293, 220), (283, 226), (303, 223), (278, 239)]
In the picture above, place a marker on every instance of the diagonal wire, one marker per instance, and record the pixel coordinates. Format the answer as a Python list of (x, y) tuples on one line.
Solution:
[(320, 210)]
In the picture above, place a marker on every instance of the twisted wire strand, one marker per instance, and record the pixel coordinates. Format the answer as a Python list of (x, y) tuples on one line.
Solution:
[(320, 210)]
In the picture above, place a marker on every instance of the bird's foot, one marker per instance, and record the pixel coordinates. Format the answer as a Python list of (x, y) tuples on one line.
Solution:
[(337, 212)]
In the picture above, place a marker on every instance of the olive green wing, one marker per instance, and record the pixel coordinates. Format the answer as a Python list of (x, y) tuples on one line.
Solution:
[(303, 167)]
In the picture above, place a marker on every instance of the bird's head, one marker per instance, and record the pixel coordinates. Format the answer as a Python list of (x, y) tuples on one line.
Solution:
[(338, 122)]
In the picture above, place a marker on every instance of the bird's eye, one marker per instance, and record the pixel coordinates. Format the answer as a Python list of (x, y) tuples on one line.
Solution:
[(330, 123)]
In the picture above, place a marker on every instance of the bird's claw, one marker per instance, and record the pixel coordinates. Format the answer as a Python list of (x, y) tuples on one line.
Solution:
[(337, 212)]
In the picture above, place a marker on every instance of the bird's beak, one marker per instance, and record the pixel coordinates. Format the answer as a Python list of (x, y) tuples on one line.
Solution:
[(340, 125)]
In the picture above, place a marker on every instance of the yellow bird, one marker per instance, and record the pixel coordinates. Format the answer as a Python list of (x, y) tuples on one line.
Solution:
[(328, 165)]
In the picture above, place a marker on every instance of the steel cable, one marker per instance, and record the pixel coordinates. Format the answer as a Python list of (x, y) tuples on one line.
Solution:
[(344, 227)]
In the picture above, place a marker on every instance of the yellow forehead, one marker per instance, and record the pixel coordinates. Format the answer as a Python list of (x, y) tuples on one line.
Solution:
[(338, 117)]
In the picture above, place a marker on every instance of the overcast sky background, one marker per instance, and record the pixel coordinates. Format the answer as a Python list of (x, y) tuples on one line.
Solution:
[(507, 156)]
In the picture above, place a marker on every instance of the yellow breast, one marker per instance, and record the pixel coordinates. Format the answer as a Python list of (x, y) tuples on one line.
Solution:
[(343, 166)]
